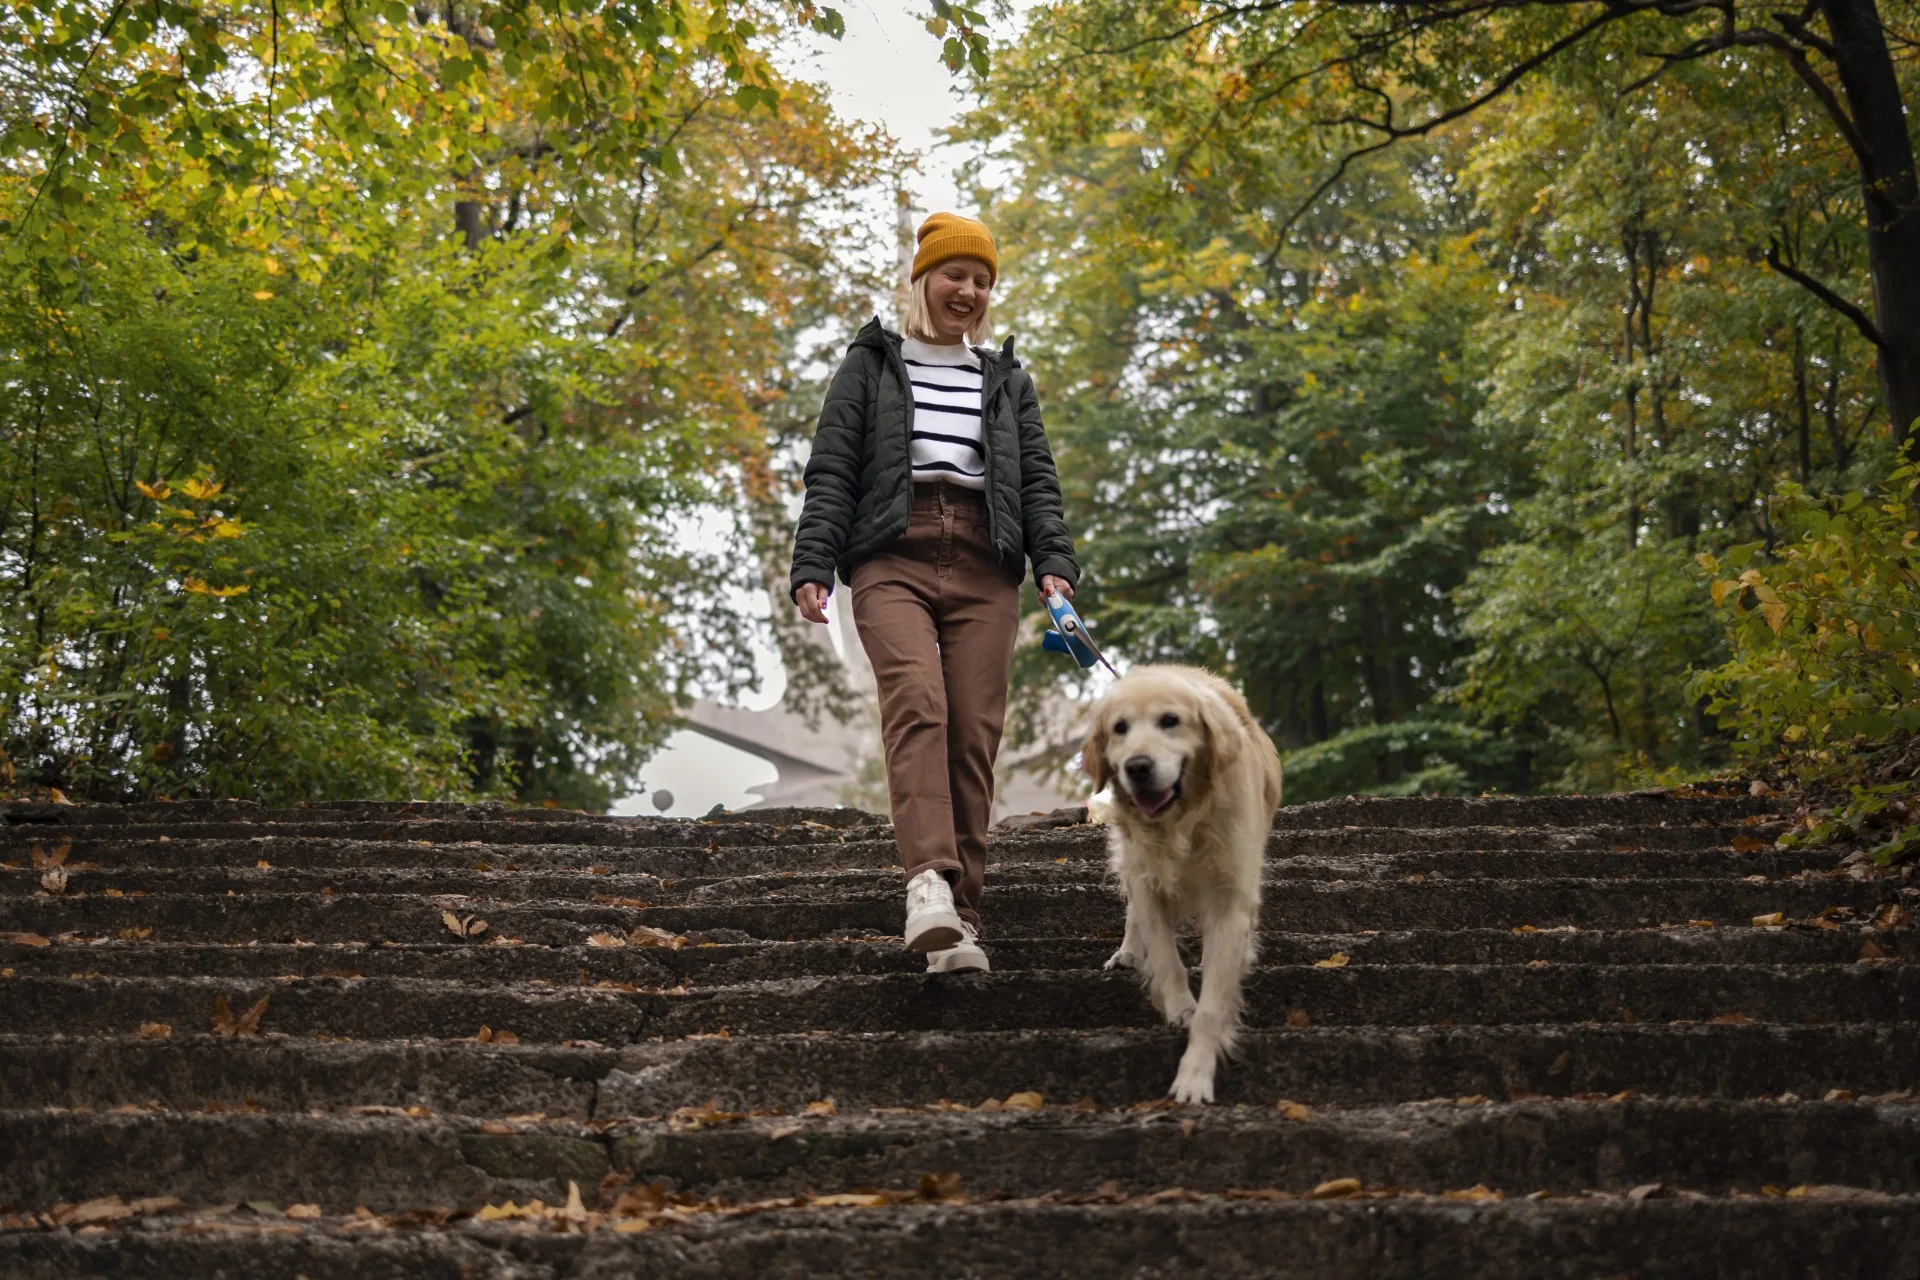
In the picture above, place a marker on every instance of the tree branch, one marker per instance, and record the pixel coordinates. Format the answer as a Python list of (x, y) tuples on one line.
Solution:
[(1861, 320)]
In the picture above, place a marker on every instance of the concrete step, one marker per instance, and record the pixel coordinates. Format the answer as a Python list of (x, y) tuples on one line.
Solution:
[(392, 1161), (1083, 910), (719, 963), (1381, 995), (1836, 1233), (586, 884), (1320, 1065)]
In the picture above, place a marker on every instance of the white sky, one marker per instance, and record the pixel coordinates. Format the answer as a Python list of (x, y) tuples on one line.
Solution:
[(886, 70)]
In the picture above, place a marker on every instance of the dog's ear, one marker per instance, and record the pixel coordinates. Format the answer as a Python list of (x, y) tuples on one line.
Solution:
[(1226, 729), (1093, 753)]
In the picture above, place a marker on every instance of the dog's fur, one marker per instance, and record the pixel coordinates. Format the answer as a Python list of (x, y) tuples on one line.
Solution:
[(1195, 784)]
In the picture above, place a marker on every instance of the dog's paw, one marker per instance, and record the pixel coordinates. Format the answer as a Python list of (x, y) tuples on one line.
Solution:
[(1179, 1012), (1122, 959), (1193, 1084)]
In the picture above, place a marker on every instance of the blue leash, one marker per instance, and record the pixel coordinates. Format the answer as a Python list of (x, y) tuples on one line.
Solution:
[(1070, 635)]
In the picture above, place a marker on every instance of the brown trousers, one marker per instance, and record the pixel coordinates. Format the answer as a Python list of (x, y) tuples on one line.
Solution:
[(936, 614)]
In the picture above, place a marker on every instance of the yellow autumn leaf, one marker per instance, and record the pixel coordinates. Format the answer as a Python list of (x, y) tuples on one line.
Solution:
[(1293, 1110), (1721, 588), (201, 490), (824, 1107), (1772, 917), (1338, 960), (849, 1200), (158, 492), (1024, 1101), (262, 295), (497, 1213), (1335, 1189)]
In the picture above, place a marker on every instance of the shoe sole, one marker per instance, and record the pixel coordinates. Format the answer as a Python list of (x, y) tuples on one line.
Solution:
[(968, 965), (937, 933)]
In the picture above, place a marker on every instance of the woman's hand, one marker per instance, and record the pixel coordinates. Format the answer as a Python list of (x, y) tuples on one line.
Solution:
[(812, 599), (1050, 583)]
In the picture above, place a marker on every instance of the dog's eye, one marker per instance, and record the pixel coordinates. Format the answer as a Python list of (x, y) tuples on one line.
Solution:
[(1169, 721), (1120, 727)]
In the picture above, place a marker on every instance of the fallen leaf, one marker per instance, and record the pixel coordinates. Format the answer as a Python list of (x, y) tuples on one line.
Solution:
[(25, 939), (1335, 1189), (463, 926), (304, 1211), (1478, 1193), (1772, 917), (824, 1107), (56, 796), (1892, 916), (1187, 1127), (1735, 1019), (265, 1208), (156, 1204), (1647, 1190), (247, 1024), (605, 940), (636, 904), (1870, 953), (940, 1186), (1025, 1101), (154, 1031), (702, 1117), (721, 1034), (1838, 1095), (497, 1213), (1747, 844), (1298, 1018), (643, 936), (1337, 960), (264, 865), (1560, 1063), (134, 935), (849, 1200), (103, 1209), (55, 881), (1701, 924), (1525, 928), (1293, 1110)]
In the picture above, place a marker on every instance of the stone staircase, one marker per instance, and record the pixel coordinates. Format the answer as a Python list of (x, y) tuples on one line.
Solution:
[(1495, 1037)]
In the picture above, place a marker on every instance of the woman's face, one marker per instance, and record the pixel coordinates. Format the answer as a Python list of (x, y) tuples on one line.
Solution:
[(957, 292)]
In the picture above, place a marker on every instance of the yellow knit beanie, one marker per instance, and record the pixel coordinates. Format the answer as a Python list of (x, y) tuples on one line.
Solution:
[(948, 235)]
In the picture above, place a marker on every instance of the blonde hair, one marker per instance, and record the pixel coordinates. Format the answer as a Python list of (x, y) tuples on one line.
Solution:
[(918, 320)]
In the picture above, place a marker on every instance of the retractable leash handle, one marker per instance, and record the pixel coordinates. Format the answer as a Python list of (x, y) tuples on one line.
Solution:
[(1070, 635)]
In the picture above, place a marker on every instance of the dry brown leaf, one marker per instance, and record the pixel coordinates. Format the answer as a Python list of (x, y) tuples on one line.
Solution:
[(849, 1200), (1772, 917), (1298, 1018), (607, 899), (303, 1211), (25, 939), (1023, 1101), (721, 1034), (1734, 1019), (1747, 844), (55, 881), (1647, 1190), (1560, 1063), (156, 1204), (1293, 1110), (91, 1212), (247, 1024), (824, 1107), (1338, 960), (1525, 928), (1892, 916), (1478, 1193), (463, 926), (1335, 1189), (644, 936), (703, 1116), (134, 935), (56, 796), (43, 861), (1869, 953), (154, 1031), (1838, 1095), (940, 1186), (605, 940)]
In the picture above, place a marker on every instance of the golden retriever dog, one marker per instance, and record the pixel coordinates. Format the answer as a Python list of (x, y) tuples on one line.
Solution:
[(1195, 784)]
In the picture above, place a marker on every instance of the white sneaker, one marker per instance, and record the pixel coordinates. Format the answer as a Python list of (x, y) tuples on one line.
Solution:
[(962, 956), (932, 923)]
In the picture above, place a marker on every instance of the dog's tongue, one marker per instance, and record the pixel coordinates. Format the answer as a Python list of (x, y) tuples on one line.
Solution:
[(1152, 803)]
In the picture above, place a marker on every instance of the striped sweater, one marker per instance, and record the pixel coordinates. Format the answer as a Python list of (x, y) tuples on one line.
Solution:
[(945, 444)]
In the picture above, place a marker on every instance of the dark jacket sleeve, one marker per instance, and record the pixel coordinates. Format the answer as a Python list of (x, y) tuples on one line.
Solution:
[(832, 475), (1048, 544)]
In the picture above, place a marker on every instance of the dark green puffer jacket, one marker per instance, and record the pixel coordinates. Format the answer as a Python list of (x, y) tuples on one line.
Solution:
[(860, 480)]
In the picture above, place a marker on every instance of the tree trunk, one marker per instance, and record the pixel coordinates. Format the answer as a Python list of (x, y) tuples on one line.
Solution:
[(1866, 72)]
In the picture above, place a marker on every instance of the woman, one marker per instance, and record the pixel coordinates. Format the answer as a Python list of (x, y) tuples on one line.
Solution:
[(930, 486)]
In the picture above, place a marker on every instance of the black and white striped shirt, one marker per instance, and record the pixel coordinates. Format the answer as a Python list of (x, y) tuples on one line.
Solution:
[(946, 443)]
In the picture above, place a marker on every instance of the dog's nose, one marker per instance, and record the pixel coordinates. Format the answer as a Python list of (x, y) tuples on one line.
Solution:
[(1138, 768)]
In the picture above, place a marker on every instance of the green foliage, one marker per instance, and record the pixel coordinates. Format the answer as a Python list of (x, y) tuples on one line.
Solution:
[(1443, 423), (1420, 755), (1824, 635), (367, 477)]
